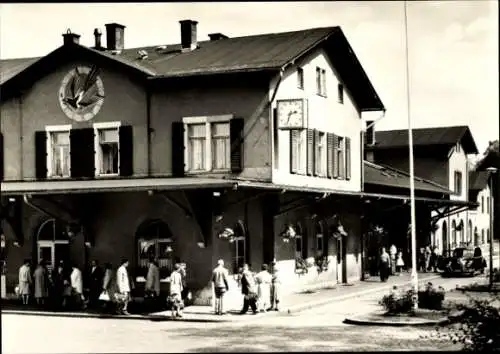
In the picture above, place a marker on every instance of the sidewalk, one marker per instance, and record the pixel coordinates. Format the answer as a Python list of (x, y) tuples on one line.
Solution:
[(294, 302)]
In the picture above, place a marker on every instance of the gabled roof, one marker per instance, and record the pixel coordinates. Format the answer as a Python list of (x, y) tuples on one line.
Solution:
[(478, 180), (438, 136), (240, 54), (390, 177)]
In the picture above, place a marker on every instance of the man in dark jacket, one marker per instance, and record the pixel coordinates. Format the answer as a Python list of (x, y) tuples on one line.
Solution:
[(249, 290), (94, 283)]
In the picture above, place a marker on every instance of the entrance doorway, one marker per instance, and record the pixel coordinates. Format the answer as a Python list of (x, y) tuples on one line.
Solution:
[(52, 243), (341, 260)]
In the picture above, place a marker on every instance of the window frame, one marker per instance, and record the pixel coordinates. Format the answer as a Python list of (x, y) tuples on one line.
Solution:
[(98, 127), (320, 238), (321, 159), (165, 270), (300, 237), (241, 238), (49, 131), (340, 93), (340, 157), (208, 121), (458, 186), (321, 82)]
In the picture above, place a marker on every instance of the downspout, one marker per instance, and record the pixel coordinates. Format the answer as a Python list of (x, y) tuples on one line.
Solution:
[(148, 127), (271, 113), (21, 139)]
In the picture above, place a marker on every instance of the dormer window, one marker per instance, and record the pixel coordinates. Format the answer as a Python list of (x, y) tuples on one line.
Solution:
[(300, 78)]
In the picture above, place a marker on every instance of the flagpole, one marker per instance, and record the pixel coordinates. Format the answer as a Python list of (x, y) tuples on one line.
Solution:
[(414, 274)]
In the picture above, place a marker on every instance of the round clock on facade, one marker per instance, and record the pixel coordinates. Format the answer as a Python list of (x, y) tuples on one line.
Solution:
[(81, 94), (291, 113)]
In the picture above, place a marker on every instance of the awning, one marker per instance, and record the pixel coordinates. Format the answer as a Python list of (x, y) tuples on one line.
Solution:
[(111, 185), (306, 189)]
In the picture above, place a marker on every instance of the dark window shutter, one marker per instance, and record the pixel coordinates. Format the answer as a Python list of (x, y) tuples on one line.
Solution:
[(329, 151), (177, 149), (82, 153), (335, 156), (317, 162), (1, 158), (236, 126), (41, 154), (126, 150), (347, 158), (341, 161), (310, 151), (294, 141)]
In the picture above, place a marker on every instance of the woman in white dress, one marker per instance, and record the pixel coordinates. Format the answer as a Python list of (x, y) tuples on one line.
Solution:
[(264, 281)]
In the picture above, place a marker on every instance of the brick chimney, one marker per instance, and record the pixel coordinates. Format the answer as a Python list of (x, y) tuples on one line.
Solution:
[(97, 37), (188, 35), (70, 38), (217, 36), (115, 34)]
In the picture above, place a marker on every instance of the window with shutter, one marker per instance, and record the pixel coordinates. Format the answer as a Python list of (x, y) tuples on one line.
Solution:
[(310, 151), (81, 145), (294, 151), (335, 156), (347, 158), (329, 151), (317, 155)]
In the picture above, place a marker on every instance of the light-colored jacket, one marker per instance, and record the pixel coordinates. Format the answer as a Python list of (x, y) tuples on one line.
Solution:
[(153, 279), (76, 280), (219, 277), (122, 280)]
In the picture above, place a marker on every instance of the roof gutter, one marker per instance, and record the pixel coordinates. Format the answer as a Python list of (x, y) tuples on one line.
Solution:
[(211, 73)]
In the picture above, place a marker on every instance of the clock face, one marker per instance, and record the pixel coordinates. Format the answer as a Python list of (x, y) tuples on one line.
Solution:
[(291, 113), (81, 94)]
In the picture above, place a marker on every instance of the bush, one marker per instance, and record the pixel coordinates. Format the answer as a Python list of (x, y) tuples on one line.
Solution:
[(398, 302), (477, 326), (431, 298), (401, 301)]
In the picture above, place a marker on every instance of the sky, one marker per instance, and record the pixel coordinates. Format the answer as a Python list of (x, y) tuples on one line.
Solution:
[(452, 45)]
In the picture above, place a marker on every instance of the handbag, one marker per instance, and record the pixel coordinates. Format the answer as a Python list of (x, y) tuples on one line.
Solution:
[(104, 296)]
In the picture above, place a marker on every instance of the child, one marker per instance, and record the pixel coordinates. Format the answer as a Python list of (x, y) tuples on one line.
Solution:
[(399, 262)]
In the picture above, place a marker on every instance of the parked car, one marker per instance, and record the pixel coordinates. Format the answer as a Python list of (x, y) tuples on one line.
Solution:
[(465, 261)]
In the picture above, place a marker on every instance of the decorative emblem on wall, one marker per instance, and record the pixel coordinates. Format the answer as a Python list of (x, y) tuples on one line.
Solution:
[(81, 94)]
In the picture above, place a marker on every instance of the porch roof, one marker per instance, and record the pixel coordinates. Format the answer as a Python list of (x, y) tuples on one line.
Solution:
[(363, 195), (111, 185)]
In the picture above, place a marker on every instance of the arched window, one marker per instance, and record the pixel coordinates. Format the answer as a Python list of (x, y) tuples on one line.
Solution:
[(461, 232), (320, 239), (477, 241), (300, 247), (453, 234), (155, 241), (52, 242), (469, 232), (240, 254)]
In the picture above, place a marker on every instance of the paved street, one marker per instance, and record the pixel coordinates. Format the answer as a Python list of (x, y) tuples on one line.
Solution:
[(318, 329)]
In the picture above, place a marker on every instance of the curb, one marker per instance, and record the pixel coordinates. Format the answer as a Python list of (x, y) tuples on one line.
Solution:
[(309, 305), (390, 323), (83, 315)]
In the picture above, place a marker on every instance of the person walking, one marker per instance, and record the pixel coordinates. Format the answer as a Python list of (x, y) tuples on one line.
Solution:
[(25, 281), (264, 280), (94, 280), (108, 293), (76, 281), (152, 288), (428, 255), (384, 265), (123, 283), (220, 277), (275, 287), (59, 281), (399, 263), (176, 288), (249, 290), (41, 280)]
